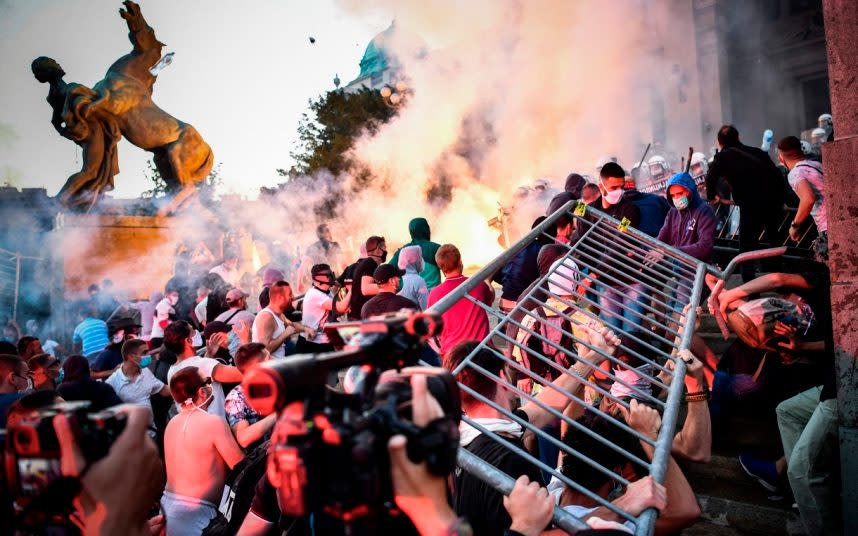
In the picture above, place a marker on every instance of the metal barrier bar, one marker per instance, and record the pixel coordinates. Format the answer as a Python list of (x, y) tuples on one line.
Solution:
[(557, 347), (601, 272), (562, 417), (553, 328), (714, 304), (578, 358), (624, 347), (638, 247)]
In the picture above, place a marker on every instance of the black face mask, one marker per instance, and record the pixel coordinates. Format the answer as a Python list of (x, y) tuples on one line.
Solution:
[(383, 256)]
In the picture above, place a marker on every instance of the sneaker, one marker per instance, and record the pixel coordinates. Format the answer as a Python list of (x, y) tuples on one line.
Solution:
[(763, 471)]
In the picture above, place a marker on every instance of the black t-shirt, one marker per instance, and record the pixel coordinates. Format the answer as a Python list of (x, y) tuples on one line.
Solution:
[(386, 302), (365, 267), (99, 394), (477, 501), (108, 359), (265, 506)]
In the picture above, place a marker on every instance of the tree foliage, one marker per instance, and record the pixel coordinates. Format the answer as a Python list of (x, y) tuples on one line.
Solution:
[(160, 189), (331, 126)]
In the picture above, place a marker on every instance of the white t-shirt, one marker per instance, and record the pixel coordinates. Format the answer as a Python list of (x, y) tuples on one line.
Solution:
[(135, 390), (230, 276), (811, 171), (313, 315), (555, 489), (200, 310), (206, 365), (162, 313)]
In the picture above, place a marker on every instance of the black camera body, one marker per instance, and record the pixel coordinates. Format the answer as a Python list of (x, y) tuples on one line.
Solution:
[(32, 458), (329, 452)]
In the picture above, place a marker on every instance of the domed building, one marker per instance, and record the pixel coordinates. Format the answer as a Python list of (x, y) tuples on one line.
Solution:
[(379, 65)]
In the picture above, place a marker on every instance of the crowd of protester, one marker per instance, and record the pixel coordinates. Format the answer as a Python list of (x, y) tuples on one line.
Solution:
[(177, 360)]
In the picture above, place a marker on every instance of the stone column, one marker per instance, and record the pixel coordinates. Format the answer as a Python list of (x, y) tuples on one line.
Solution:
[(840, 159)]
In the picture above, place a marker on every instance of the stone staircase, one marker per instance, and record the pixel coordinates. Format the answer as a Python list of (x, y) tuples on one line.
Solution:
[(733, 503)]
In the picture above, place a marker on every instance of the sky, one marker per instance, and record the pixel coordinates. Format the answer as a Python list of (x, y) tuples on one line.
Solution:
[(242, 75)]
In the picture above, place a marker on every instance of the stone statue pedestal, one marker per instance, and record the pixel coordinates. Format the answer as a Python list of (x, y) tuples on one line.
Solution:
[(137, 253)]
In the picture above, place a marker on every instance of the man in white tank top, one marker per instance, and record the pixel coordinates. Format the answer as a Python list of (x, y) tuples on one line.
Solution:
[(271, 327)]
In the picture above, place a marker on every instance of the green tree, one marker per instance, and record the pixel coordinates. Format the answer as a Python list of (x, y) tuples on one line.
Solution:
[(159, 185), (327, 132)]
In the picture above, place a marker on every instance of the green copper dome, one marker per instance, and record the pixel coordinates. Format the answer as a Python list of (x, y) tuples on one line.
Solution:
[(375, 58)]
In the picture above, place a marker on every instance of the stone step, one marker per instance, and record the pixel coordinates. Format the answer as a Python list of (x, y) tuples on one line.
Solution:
[(733, 503), (727, 517)]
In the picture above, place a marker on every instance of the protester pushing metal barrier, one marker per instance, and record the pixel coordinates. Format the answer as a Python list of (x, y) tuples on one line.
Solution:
[(548, 341)]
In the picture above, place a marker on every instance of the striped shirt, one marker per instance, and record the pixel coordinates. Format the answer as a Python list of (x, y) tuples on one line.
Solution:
[(92, 335)]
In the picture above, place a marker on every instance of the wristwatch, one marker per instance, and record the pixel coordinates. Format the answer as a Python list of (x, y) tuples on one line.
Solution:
[(794, 224)]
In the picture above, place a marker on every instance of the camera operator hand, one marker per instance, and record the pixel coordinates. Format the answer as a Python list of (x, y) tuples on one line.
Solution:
[(113, 504), (421, 495)]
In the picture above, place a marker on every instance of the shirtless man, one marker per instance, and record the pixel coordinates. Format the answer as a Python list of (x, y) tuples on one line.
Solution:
[(271, 327), (199, 449)]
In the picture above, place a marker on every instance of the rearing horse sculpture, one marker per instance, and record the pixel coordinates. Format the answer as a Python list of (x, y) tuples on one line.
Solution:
[(121, 105)]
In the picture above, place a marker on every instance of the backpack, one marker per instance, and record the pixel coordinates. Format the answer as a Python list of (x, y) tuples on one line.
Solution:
[(238, 493), (754, 321)]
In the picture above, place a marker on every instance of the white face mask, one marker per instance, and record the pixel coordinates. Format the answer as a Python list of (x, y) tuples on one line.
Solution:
[(612, 197)]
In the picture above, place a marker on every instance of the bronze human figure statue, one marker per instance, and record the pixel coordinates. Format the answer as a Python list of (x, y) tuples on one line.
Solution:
[(121, 105)]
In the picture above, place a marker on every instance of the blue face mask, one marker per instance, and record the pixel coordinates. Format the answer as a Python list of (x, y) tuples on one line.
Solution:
[(682, 202), (145, 361)]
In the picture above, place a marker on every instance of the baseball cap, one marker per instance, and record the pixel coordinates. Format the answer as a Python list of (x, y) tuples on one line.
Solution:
[(385, 272), (235, 294), (564, 273), (215, 327)]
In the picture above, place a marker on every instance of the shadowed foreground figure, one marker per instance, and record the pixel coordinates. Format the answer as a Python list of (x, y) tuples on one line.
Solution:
[(121, 105)]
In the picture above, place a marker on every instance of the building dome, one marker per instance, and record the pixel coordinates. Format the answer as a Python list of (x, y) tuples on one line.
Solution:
[(375, 58)]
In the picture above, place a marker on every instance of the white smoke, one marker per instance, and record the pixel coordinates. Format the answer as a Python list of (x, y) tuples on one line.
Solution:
[(509, 91)]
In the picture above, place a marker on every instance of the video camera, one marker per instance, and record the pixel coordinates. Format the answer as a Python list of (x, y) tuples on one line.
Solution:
[(32, 459), (329, 449)]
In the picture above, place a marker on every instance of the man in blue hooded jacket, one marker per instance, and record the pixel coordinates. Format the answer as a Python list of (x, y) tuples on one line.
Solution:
[(419, 229), (690, 224)]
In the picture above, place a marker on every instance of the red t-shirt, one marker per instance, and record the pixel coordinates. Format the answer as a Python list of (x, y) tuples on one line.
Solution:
[(465, 320)]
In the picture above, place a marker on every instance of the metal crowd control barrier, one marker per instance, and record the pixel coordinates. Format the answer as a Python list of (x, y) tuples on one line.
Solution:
[(588, 287), (731, 232)]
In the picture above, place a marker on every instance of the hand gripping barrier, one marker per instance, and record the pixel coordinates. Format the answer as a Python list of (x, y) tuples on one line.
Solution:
[(555, 365)]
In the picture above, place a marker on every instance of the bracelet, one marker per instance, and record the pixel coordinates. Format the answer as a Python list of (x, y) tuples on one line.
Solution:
[(794, 224), (577, 371), (702, 396)]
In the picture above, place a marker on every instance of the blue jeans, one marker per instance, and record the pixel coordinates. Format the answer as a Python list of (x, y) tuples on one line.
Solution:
[(809, 434), (622, 306)]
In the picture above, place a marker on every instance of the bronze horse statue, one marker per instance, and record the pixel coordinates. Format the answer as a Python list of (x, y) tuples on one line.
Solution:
[(121, 105)]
